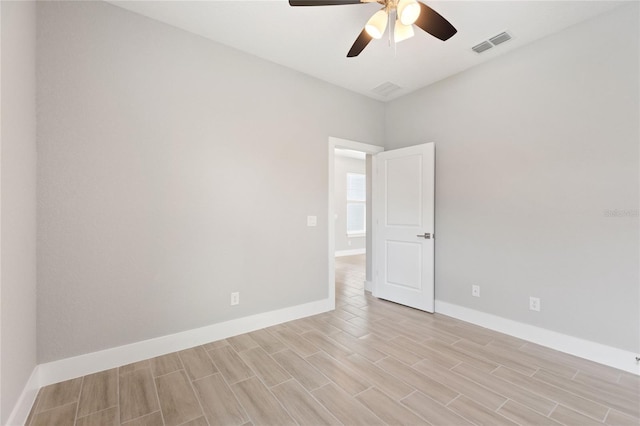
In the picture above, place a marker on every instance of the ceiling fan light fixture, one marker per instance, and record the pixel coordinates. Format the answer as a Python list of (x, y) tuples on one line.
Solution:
[(377, 24), (402, 32), (408, 11)]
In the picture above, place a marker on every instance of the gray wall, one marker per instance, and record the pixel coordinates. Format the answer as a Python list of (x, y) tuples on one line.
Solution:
[(18, 202), (173, 171), (532, 149), (344, 165)]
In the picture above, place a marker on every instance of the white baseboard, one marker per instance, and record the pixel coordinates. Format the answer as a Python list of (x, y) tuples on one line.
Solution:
[(368, 286), (352, 252), (69, 368), (26, 400), (82, 365), (603, 354)]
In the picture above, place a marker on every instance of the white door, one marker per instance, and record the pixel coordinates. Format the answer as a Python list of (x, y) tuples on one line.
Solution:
[(403, 219)]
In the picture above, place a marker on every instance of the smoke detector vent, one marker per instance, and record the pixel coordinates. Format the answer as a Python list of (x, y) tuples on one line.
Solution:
[(493, 41), (500, 38), (385, 89), (479, 48)]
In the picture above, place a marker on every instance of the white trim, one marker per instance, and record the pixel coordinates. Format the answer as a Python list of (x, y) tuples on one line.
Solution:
[(26, 399), (597, 352), (353, 145), (69, 368), (352, 252)]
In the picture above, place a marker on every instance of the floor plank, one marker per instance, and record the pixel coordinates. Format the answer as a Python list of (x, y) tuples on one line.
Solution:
[(390, 411), (58, 394), (348, 410), (219, 403), (108, 417), (338, 373), (152, 419), (436, 390), (178, 403), (477, 413), (301, 405), (381, 379), (166, 364), (267, 341), (264, 366), (462, 385), (60, 416), (137, 395), (502, 387), (562, 396), (232, 367), (306, 374), (99, 392), (525, 416), (197, 363), (263, 408), (432, 411)]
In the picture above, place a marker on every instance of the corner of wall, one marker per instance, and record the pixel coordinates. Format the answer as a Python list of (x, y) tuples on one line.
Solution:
[(18, 371)]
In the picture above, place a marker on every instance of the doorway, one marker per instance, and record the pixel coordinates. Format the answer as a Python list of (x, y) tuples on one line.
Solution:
[(361, 241)]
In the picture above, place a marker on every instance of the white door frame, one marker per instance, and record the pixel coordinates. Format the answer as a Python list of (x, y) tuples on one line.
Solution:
[(356, 146)]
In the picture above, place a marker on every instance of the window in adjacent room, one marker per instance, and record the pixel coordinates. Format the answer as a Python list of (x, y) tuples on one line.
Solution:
[(356, 204)]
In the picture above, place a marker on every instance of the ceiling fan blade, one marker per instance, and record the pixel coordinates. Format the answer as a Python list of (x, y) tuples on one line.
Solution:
[(322, 2), (433, 23), (361, 42)]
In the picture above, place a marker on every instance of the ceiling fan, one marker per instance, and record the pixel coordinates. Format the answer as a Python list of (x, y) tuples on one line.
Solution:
[(408, 13)]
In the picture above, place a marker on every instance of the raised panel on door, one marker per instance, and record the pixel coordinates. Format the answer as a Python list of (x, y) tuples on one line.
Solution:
[(404, 265), (403, 185)]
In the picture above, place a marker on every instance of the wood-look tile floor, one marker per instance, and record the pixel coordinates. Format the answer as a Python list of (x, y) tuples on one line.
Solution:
[(369, 362)]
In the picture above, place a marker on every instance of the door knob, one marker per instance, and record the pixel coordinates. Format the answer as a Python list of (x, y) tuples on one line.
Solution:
[(426, 236)]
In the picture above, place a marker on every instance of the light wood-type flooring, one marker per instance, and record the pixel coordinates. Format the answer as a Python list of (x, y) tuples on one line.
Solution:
[(369, 362)]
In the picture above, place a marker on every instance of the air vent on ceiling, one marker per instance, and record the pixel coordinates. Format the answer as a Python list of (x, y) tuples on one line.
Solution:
[(493, 41), (500, 38), (479, 48), (385, 89)]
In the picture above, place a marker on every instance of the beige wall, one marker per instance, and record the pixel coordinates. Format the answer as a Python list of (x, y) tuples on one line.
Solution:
[(18, 201), (532, 150), (172, 172)]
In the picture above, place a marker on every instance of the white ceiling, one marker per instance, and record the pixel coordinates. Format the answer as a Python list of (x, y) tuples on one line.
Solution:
[(315, 40)]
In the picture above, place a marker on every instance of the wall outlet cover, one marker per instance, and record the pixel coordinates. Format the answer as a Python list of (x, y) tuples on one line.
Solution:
[(475, 290), (534, 304), (235, 298)]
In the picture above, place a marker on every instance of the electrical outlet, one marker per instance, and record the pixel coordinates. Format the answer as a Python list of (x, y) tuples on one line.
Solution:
[(475, 290), (534, 304), (235, 298)]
